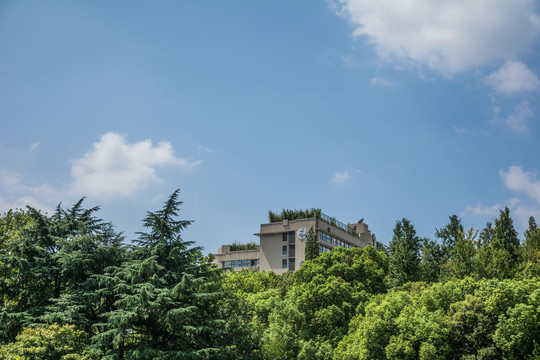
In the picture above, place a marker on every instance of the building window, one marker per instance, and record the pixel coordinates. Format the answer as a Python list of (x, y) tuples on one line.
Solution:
[(291, 250), (284, 250), (284, 236), (292, 237), (284, 263), (255, 262), (291, 264), (237, 263)]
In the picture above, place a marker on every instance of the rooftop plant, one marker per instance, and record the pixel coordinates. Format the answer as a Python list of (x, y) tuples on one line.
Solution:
[(247, 246), (287, 214)]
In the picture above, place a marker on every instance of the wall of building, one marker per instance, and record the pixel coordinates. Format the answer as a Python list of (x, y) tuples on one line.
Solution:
[(225, 254)]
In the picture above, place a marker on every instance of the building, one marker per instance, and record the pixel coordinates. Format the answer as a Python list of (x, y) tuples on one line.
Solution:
[(238, 257), (282, 244)]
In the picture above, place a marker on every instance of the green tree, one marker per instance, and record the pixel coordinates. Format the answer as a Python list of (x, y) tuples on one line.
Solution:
[(532, 242), (51, 342), (166, 297), (431, 258), (404, 257), (312, 248), (462, 262), (450, 234), (505, 246)]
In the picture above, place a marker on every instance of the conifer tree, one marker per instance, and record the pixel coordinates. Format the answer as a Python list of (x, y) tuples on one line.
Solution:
[(450, 234), (166, 297), (312, 248), (505, 246), (404, 254), (532, 242)]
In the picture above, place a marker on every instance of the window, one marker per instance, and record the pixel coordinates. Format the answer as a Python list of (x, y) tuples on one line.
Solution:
[(284, 250), (237, 263), (291, 264), (284, 236), (323, 249), (292, 237), (255, 262), (291, 250), (284, 263)]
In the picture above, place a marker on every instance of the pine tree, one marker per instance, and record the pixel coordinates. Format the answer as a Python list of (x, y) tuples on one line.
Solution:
[(450, 233), (532, 242), (505, 246), (404, 254), (166, 297), (312, 248)]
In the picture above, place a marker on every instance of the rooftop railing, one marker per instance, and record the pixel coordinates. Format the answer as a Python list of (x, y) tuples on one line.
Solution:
[(333, 221)]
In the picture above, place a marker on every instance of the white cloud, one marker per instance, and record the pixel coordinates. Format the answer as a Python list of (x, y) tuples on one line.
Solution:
[(518, 180), (515, 179), (34, 146), (513, 77), (381, 82), (204, 149), (517, 121), (341, 178), (15, 194), (447, 36), (491, 211), (116, 168)]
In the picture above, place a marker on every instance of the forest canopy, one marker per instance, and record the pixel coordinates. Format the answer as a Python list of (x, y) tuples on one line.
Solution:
[(71, 287)]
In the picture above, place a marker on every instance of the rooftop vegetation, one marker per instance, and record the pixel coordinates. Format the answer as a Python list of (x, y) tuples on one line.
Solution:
[(287, 214), (247, 246)]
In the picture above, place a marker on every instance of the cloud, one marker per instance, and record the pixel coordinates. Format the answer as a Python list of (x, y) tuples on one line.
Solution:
[(515, 179), (518, 180), (15, 194), (445, 35), (116, 168), (204, 149), (381, 82), (341, 178), (517, 120), (513, 77), (34, 146), (491, 211)]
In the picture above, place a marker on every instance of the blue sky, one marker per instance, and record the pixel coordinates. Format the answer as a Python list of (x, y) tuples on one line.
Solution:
[(367, 109)]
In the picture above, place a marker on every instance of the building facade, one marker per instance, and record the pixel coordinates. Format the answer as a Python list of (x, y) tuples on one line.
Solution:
[(282, 244), (229, 257)]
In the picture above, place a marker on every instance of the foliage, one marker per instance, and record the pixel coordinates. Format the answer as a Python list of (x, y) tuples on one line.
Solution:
[(247, 246), (450, 234), (51, 264), (457, 319), (166, 297), (287, 214), (51, 342), (312, 248), (404, 254), (431, 260)]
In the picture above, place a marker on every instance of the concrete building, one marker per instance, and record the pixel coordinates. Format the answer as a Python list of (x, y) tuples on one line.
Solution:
[(282, 244), (236, 258)]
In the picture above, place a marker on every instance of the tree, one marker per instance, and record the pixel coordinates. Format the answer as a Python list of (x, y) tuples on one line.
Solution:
[(463, 259), (166, 297), (404, 254), (531, 245), (51, 342), (51, 264), (450, 234), (431, 259), (505, 246), (312, 248)]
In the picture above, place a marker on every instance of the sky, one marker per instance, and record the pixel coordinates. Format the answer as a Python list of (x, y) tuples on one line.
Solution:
[(372, 109)]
